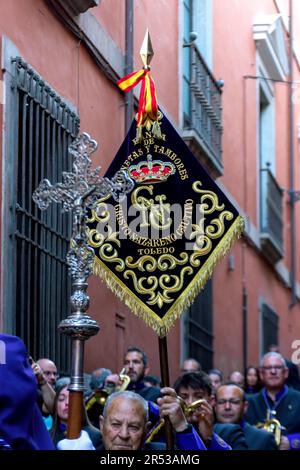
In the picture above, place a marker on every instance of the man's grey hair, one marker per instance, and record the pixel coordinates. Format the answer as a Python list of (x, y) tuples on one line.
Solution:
[(129, 396), (272, 354)]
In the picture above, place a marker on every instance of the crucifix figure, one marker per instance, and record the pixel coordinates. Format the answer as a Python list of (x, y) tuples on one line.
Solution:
[(80, 189)]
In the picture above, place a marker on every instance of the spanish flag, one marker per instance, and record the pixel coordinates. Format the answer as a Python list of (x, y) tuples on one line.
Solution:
[(147, 107)]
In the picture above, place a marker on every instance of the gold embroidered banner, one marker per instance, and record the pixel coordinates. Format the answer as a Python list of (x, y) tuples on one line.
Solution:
[(156, 249)]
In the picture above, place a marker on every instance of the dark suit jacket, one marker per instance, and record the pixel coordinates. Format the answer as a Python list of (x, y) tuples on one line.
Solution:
[(293, 379), (258, 439), (232, 434), (287, 412), (149, 393)]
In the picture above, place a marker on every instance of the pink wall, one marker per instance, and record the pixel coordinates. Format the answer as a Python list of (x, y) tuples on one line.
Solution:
[(227, 318), (39, 36), (111, 14), (235, 57)]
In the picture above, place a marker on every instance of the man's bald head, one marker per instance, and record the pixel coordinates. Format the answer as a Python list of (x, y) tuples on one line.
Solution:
[(190, 365), (230, 404), (49, 370)]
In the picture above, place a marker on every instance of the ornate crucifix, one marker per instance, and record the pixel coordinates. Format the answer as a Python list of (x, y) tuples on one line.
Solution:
[(80, 189)]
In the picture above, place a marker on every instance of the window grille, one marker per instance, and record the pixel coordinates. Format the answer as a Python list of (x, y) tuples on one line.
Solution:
[(201, 93), (271, 194), (269, 327), (44, 129), (199, 328)]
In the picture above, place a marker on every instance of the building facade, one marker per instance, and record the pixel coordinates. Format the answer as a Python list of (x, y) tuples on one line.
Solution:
[(228, 80)]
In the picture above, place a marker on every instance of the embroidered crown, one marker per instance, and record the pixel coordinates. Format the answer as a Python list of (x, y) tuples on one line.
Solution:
[(151, 171)]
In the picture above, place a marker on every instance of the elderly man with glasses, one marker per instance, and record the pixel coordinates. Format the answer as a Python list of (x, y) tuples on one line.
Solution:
[(276, 398)]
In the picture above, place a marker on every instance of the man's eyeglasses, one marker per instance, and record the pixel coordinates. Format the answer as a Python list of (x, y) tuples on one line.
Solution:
[(48, 373), (276, 368), (231, 401)]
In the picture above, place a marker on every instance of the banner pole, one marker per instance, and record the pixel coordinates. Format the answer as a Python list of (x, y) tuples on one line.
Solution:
[(164, 370)]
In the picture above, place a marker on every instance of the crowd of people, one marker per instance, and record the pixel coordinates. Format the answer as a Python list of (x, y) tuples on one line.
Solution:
[(257, 410)]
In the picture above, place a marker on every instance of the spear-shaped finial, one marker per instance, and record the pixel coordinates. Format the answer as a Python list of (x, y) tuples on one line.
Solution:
[(148, 114), (146, 51)]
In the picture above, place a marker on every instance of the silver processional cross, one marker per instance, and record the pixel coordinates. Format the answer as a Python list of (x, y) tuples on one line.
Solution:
[(80, 189)]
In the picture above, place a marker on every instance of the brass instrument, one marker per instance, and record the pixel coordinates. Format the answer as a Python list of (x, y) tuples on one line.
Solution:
[(187, 410), (100, 396), (125, 381), (272, 425)]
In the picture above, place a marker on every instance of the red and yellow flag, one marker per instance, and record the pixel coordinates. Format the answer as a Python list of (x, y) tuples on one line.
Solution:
[(147, 106)]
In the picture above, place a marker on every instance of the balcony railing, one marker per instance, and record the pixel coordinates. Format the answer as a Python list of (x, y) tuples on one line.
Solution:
[(271, 232), (205, 116)]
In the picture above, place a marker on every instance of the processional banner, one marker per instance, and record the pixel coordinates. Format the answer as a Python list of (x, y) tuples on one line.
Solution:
[(157, 247)]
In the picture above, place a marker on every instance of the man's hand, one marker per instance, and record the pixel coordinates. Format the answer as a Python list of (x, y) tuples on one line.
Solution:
[(112, 380), (170, 406), (48, 392), (284, 443), (37, 372), (205, 417)]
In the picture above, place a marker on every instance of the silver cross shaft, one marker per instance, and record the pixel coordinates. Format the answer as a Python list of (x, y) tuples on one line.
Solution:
[(80, 189)]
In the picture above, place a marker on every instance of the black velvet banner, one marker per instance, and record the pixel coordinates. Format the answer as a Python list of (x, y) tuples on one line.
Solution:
[(158, 247)]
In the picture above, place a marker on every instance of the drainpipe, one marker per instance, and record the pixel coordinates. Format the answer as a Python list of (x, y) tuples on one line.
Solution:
[(244, 247), (245, 327), (128, 61), (292, 175)]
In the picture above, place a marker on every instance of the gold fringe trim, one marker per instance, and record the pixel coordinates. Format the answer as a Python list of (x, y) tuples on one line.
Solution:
[(155, 430), (139, 308)]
